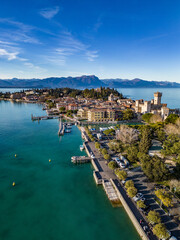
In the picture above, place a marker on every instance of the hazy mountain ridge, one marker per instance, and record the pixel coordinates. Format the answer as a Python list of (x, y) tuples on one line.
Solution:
[(84, 82), (139, 83)]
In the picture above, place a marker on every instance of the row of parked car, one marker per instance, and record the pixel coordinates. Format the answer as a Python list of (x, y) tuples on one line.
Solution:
[(140, 196), (121, 161)]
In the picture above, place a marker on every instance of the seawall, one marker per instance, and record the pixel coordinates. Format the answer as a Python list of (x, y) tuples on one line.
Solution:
[(130, 213)]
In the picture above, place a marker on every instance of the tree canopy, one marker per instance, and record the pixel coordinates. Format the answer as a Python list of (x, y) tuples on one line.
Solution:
[(146, 117), (145, 139), (154, 168), (128, 114), (160, 231), (121, 174), (112, 165), (131, 191), (129, 183), (164, 196), (140, 204), (154, 217), (171, 118)]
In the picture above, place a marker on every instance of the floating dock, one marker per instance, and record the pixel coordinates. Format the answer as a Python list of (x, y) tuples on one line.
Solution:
[(44, 117), (110, 191), (80, 159), (61, 128)]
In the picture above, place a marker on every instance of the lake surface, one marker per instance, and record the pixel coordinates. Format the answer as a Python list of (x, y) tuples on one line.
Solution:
[(51, 200), (171, 96)]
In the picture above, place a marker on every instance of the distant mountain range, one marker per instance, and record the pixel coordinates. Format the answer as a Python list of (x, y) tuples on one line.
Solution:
[(139, 83), (84, 82)]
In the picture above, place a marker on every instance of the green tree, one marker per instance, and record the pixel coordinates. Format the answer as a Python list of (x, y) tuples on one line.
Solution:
[(146, 117), (129, 183), (131, 191), (154, 217), (109, 131), (104, 151), (171, 145), (143, 157), (116, 146), (171, 118), (112, 165), (106, 156), (121, 174), (62, 109), (165, 197), (97, 145), (154, 168), (128, 114), (51, 105), (145, 139), (101, 150), (132, 152), (140, 204), (160, 231), (161, 135)]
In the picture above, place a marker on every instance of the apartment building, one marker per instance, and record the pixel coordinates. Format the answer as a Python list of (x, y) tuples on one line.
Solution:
[(101, 115)]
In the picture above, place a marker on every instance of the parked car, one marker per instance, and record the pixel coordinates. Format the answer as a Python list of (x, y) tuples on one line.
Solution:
[(173, 238), (138, 196), (122, 165), (123, 182)]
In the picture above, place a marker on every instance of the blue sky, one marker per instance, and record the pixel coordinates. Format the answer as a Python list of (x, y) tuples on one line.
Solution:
[(111, 39)]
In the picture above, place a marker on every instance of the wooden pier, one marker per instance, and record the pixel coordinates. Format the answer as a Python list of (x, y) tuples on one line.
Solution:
[(61, 128), (110, 191), (80, 159), (38, 118)]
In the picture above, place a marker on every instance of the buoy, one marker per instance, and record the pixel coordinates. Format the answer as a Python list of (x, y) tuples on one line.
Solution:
[(49, 160), (15, 155), (14, 184)]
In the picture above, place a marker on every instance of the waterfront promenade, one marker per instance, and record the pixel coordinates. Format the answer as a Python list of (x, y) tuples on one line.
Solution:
[(135, 215), (107, 173)]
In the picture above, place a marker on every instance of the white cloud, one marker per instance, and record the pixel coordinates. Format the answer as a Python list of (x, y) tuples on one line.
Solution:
[(9, 55), (91, 55), (71, 46), (31, 65), (49, 13), (18, 32)]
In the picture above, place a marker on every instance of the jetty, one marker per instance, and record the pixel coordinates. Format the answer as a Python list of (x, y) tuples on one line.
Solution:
[(80, 159), (61, 128), (110, 191), (38, 118)]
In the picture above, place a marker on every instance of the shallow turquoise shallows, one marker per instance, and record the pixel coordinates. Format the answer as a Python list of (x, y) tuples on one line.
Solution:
[(50, 200)]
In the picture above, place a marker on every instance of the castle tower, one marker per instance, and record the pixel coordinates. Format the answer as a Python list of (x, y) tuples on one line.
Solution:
[(157, 98)]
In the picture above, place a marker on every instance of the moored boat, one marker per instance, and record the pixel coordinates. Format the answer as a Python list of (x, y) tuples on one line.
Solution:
[(81, 147), (67, 131)]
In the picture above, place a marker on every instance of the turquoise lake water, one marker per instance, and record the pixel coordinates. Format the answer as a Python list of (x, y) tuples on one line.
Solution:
[(51, 200)]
